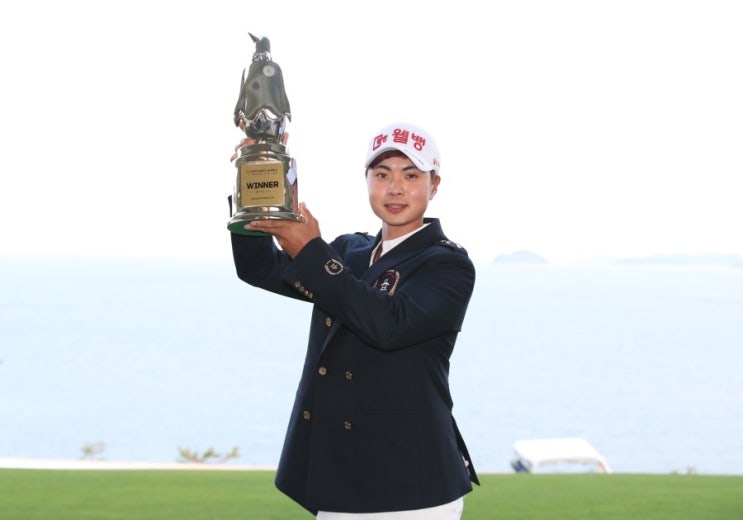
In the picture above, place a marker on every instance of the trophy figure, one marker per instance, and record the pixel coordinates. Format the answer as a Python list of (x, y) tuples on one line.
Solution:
[(266, 184)]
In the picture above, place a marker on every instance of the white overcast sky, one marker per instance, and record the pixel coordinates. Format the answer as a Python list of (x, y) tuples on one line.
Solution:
[(573, 129)]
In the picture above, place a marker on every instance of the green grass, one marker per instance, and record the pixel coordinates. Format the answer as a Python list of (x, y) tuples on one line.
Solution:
[(227, 495)]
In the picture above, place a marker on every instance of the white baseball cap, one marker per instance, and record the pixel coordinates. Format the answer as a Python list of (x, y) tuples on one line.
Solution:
[(413, 141)]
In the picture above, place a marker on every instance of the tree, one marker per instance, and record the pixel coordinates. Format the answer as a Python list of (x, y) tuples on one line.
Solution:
[(93, 451), (209, 455)]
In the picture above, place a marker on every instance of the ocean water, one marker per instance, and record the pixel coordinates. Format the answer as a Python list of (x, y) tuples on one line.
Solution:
[(150, 356)]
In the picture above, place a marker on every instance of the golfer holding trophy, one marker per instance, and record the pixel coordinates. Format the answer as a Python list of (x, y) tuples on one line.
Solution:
[(266, 184), (371, 432)]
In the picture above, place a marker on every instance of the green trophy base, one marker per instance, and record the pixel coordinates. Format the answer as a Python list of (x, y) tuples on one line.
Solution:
[(238, 222)]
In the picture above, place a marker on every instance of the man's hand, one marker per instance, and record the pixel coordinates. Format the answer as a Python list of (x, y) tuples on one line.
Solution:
[(291, 236), (240, 145), (248, 141)]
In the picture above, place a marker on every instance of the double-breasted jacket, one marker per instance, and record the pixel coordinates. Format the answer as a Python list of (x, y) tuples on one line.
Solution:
[(371, 428)]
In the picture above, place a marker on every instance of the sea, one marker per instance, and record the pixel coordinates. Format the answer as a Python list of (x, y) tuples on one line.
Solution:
[(141, 359)]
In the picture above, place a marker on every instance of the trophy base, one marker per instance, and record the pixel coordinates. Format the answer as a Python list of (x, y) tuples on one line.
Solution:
[(237, 223)]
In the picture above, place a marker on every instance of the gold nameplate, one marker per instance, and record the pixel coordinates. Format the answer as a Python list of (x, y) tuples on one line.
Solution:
[(261, 184)]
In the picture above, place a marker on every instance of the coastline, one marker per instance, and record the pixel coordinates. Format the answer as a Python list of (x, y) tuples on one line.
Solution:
[(72, 464)]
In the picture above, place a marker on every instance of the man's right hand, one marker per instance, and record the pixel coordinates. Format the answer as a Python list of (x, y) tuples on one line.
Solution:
[(292, 236), (249, 140)]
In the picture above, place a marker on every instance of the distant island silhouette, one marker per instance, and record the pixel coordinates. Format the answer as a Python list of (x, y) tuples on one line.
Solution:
[(707, 259), (727, 260), (520, 257)]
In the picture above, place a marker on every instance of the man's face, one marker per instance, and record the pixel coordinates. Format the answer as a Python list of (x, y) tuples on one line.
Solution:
[(399, 194)]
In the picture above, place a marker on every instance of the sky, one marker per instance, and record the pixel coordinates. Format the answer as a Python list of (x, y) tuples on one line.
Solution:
[(572, 129)]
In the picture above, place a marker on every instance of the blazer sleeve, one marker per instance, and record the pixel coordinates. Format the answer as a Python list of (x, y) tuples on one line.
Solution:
[(260, 263)]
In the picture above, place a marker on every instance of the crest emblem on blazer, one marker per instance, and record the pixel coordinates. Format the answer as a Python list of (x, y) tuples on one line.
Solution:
[(388, 282), (333, 267)]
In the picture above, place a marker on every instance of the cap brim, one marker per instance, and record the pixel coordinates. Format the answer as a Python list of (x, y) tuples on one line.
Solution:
[(416, 160)]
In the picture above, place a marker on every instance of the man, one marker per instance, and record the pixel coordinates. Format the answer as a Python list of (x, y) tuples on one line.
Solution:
[(371, 434)]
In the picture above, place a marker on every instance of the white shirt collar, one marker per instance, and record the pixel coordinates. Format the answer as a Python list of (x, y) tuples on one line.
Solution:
[(388, 245)]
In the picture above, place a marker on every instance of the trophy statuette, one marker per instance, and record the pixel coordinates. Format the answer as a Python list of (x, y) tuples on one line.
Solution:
[(266, 183)]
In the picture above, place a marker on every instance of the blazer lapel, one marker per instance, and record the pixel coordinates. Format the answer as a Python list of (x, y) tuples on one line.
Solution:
[(412, 246)]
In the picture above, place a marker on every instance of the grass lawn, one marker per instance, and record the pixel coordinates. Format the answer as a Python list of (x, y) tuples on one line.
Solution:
[(227, 495)]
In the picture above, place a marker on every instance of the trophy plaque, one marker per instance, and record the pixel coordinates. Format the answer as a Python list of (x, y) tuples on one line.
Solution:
[(266, 183)]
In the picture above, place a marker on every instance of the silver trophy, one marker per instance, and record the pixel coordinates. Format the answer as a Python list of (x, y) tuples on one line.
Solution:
[(266, 184)]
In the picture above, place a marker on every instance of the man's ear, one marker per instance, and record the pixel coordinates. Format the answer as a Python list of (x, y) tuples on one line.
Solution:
[(436, 181)]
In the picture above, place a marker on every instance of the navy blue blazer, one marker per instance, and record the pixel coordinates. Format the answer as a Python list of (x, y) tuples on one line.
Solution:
[(372, 428)]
